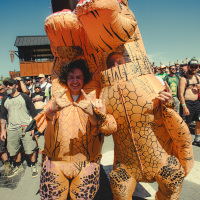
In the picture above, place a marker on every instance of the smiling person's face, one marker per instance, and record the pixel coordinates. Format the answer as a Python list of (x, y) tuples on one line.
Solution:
[(75, 81)]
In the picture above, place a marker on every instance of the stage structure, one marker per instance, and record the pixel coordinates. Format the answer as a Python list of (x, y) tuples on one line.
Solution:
[(35, 55)]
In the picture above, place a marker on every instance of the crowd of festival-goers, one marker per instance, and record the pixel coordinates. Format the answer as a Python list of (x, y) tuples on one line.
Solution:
[(21, 99)]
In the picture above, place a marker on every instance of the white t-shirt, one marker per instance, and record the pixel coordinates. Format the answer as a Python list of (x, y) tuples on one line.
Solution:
[(75, 97)]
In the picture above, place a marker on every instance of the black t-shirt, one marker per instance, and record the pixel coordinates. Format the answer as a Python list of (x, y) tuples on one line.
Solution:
[(18, 109), (38, 97)]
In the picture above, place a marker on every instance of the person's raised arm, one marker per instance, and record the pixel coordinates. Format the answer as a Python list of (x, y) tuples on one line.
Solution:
[(23, 86)]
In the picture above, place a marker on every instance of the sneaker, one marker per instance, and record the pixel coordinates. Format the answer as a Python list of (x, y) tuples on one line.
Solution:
[(195, 143), (34, 171), (15, 171), (7, 168)]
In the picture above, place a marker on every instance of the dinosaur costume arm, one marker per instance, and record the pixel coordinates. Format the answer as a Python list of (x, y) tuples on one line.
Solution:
[(106, 123)]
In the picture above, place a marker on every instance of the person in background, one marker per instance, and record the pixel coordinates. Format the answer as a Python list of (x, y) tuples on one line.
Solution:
[(44, 85), (183, 69), (49, 80), (155, 70), (162, 73), (43, 82), (3, 150), (159, 78), (21, 86), (172, 80), (19, 109), (189, 87), (48, 94), (29, 84), (177, 69), (38, 98)]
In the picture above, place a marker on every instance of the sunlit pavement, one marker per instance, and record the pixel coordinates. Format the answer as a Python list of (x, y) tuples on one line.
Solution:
[(23, 186)]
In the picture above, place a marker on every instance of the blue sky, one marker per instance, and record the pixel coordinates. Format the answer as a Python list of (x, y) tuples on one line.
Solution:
[(170, 29)]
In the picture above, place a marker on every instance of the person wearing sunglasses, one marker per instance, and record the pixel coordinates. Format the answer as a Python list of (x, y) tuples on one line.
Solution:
[(189, 86), (172, 80), (18, 108), (162, 73), (43, 82)]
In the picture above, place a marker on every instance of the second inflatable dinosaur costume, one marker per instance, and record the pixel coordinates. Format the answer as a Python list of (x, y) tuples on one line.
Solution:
[(152, 142)]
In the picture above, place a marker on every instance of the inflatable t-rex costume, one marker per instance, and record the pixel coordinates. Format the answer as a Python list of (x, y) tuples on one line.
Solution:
[(152, 142)]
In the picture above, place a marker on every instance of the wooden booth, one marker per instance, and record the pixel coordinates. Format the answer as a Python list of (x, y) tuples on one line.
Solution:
[(35, 55)]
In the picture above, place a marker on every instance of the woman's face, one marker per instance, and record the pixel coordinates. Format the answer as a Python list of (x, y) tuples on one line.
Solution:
[(75, 81)]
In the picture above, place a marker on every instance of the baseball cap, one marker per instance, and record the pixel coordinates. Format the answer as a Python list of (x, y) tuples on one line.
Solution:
[(37, 85), (41, 76), (193, 62), (12, 81), (163, 66), (27, 78)]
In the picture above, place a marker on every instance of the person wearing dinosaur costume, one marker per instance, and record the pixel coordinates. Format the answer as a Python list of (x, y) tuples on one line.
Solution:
[(152, 142)]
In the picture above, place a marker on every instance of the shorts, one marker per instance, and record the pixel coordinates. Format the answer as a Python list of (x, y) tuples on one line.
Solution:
[(194, 108), (14, 139)]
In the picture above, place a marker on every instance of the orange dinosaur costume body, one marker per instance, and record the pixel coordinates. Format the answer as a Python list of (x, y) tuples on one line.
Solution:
[(152, 142), (72, 151)]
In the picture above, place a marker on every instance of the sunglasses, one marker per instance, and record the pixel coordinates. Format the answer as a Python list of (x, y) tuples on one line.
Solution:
[(41, 77), (173, 68), (9, 84), (193, 67)]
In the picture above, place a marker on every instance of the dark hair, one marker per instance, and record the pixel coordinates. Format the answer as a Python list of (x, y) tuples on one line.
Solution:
[(172, 66), (78, 64), (110, 55)]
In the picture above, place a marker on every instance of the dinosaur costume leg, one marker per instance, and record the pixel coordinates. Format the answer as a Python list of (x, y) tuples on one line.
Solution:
[(122, 184), (170, 180), (86, 184), (53, 183)]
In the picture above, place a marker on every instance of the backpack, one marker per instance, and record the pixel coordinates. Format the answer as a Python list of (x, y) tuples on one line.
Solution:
[(187, 85), (44, 88)]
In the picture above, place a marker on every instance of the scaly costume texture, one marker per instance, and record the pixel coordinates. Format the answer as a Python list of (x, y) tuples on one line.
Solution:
[(152, 142), (72, 149)]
